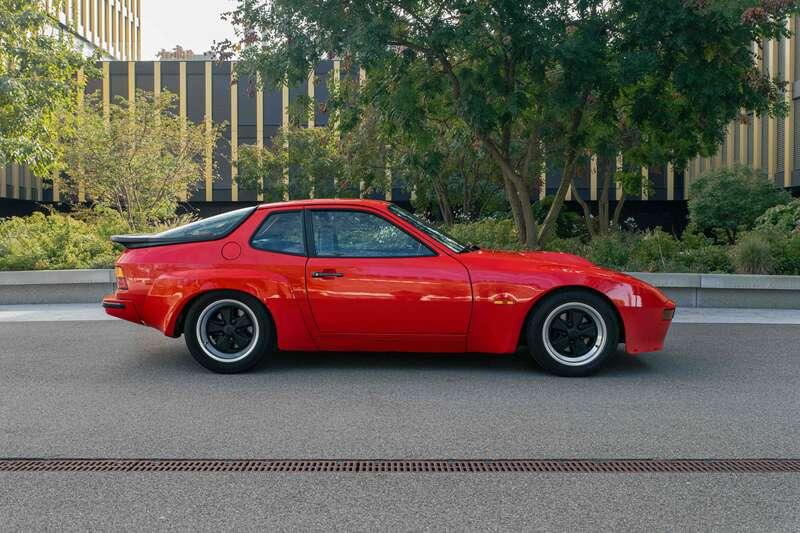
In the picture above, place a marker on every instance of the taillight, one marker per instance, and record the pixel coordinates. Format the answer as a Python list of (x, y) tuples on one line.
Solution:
[(122, 283), (668, 313)]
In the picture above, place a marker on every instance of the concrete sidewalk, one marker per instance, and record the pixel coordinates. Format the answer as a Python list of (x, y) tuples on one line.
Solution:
[(93, 312)]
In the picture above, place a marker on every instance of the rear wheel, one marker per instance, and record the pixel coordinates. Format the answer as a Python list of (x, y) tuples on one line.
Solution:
[(227, 331), (572, 333)]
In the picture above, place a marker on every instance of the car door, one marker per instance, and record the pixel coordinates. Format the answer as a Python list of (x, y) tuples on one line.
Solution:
[(368, 276)]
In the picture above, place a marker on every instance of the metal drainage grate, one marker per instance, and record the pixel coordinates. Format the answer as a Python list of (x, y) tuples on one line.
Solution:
[(409, 466)]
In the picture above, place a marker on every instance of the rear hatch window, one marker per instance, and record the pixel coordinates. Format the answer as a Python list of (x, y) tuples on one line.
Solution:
[(208, 229)]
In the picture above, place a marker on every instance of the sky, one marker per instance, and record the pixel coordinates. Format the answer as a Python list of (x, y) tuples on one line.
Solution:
[(193, 24)]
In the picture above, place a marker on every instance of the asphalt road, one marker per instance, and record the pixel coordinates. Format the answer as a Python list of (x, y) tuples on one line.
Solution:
[(111, 389)]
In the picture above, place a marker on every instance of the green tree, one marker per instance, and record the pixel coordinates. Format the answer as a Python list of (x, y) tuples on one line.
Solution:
[(140, 159), (299, 163), (39, 66), (726, 201), (537, 80)]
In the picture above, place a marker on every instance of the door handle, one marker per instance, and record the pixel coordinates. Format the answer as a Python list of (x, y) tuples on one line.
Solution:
[(327, 275)]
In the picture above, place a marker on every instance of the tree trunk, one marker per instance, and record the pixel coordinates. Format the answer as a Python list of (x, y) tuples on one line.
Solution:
[(618, 211), (516, 209), (444, 204), (558, 199), (587, 213), (603, 207)]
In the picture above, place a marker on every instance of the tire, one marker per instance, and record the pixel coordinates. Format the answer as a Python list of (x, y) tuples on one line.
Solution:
[(228, 332), (572, 333)]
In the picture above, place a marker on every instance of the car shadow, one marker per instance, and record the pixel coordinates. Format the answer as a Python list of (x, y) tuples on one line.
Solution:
[(621, 364), (176, 359)]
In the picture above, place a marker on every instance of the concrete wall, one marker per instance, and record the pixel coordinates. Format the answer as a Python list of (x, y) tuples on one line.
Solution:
[(687, 290), (728, 290), (55, 286)]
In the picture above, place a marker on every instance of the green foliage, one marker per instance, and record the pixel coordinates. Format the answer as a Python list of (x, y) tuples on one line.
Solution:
[(80, 239), (496, 234), (39, 63), (706, 259), (655, 80), (655, 251), (141, 159), (726, 201), (54, 241), (568, 223), (783, 218), (753, 254), (613, 250)]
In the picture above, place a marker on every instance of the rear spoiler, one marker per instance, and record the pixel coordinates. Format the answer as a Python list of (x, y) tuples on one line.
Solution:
[(148, 241), (204, 230)]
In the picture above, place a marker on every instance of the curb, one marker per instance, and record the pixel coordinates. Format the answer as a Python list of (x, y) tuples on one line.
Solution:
[(55, 286), (738, 291)]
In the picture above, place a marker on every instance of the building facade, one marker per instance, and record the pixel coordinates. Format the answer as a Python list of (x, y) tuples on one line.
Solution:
[(209, 94), (771, 145), (111, 26)]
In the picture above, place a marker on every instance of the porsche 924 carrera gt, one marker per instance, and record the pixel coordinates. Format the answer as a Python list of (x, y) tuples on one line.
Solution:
[(362, 275)]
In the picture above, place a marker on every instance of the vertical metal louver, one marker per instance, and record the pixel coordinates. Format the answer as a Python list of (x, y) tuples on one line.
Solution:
[(765, 143), (796, 44), (750, 133), (766, 51), (724, 151), (796, 139), (779, 149), (781, 122), (737, 141)]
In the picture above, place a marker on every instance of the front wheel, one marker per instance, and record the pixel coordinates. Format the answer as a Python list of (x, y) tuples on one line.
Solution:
[(227, 332), (572, 333)]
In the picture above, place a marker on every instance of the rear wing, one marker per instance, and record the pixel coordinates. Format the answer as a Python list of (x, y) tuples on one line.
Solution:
[(147, 241), (208, 229)]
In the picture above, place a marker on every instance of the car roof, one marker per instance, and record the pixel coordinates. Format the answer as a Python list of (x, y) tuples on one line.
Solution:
[(328, 202)]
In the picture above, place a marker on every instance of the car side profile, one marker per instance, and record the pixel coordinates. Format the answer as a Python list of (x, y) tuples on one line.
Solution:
[(364, 275)]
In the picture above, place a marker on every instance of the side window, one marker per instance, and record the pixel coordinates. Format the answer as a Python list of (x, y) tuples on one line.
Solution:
[(281, 232), (340, 233)]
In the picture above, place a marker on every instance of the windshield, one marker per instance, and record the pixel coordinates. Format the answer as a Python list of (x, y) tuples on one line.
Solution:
[(429, 230)]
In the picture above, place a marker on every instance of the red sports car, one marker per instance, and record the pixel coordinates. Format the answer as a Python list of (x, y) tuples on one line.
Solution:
[(346, 275)]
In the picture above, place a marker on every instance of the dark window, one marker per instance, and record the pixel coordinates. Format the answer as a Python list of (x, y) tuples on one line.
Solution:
[(281, 232), (361, 234), (431, 231), (210, 228)]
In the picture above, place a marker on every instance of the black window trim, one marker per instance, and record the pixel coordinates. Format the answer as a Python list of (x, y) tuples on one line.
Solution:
[(311, 249), (281, 212)]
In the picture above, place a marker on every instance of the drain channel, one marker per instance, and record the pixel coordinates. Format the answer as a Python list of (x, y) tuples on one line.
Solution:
[(405, 466)]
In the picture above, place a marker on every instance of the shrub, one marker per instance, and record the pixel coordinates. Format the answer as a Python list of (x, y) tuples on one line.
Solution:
[(613, 250), (50, 242), (78, 240), (572, 245), (655, 251), (710, 259), (782, 218), (788, 256), (726, 201), (753, 254), (500, 234)]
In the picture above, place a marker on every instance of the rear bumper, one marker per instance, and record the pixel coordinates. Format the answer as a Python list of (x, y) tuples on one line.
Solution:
[(121, 308)]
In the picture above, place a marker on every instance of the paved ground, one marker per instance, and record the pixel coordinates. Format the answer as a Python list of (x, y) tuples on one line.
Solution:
[(111, 389)]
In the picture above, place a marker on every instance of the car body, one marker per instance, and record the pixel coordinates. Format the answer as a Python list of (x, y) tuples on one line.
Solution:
[(364, 275)]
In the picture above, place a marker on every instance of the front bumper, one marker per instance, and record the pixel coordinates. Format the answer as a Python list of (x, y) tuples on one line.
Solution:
[(646, 328)]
